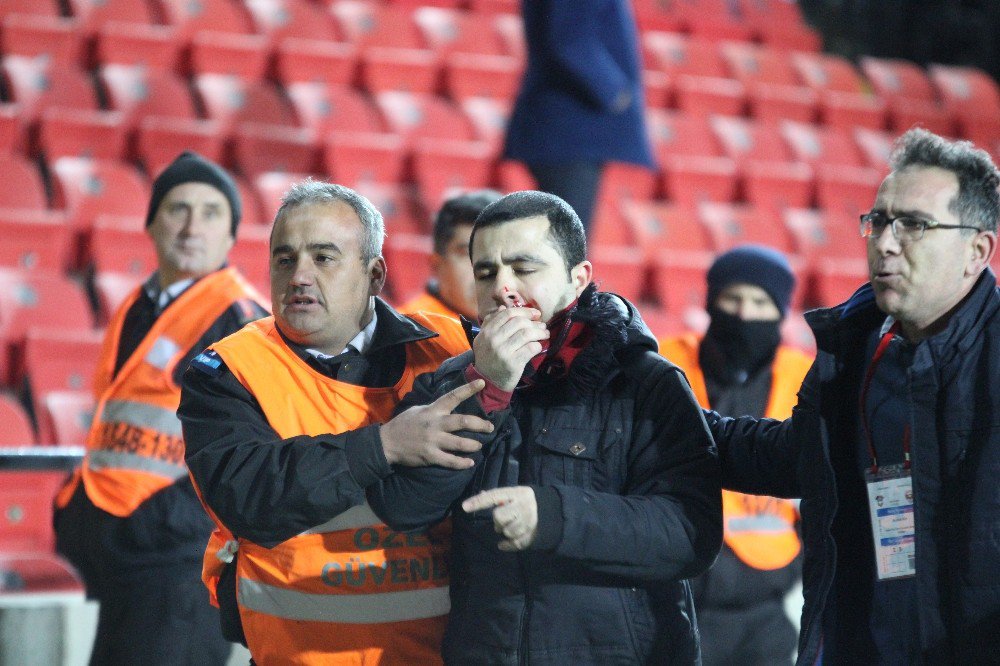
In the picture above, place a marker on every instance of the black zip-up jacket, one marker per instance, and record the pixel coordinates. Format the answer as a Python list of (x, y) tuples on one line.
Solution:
[(627, 484), (953, 401)]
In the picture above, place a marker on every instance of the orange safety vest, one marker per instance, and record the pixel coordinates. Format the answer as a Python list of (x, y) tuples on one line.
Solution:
[(135, 446), (426, 302), (760, 530), (349, 591)]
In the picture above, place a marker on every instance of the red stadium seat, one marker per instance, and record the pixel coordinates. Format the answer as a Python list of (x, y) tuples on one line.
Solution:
[(21, 185), (489, 118), (311, 60), (87, 188), (970, 95), (394, 55), (251, 255), (138, 91), (325, 108), (26, 500), (620, 270), (822, 235), (31, 300), (440, 166), (12, 129), (259, 147), (280, 19), (93, 14), (676, 54), (688, 152), (423, 116), (678, 280), (451, 31), (34, 240), (37, 84), (68, 414), (356, 158), (231, 100), (15, 425), (121, 245), (269, 188), (656, 16), (510, 27), (82, 133), (715, 20), (895, 78), (112, 289), (59, 360), (875, 145), (665, 226), (245, 56), (153, 46), (846, 190), (850, 110), (513, 176), (408, 256), (398, 205), (476, 75), (817, 145), (160, 139), (225, 16), (58, 39), (836, 279), (32, 7), (825, 71), (729, 225)]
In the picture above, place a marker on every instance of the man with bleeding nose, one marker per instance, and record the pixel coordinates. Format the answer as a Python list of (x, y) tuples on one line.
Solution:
[(289, 421), (595, 495)]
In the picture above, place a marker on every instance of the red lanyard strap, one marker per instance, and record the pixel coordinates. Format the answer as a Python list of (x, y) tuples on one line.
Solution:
[(883, 344)]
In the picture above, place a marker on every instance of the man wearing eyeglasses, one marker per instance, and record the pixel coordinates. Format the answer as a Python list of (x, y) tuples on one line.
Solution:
[(894, 446)]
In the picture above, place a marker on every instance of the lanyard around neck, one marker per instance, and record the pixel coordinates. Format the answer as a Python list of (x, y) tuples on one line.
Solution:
[(883, 344)]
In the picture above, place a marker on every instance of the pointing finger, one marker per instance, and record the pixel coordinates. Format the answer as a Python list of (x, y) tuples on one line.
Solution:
[(485, 500), (452, 399)]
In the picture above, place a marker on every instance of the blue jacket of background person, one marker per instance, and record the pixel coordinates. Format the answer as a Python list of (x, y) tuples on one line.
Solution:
[(583, 61)]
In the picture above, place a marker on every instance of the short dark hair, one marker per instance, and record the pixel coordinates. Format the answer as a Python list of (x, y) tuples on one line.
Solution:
[(565, 228), (978, 201), (457, 211)]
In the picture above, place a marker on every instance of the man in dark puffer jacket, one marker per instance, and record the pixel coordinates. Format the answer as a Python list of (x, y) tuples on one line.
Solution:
[(596, 494), (931, 406)]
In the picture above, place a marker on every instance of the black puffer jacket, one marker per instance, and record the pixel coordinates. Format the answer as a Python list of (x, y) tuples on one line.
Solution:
[(627, 484), (954, 406)]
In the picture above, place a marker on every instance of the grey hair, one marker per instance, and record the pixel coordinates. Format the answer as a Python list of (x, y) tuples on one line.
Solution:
[(978, 201), (310, 192)]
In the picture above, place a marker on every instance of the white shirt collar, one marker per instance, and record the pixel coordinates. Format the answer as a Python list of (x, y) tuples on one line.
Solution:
[(163, 296), (360, 342)]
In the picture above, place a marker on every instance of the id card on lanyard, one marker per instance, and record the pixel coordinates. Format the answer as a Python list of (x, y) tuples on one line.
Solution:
[(890, 495)]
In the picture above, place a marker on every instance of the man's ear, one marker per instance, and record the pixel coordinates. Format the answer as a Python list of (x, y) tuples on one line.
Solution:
[(984, 246), (581, 275), (376, 276)]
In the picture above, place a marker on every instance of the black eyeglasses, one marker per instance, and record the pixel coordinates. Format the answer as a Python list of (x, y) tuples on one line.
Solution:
[(905, 228)]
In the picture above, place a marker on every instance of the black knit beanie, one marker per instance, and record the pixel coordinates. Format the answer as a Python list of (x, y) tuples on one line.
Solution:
[(190, 167), (760, 266)]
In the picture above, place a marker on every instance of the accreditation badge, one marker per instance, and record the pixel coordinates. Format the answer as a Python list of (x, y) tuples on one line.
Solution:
[(890, 503)]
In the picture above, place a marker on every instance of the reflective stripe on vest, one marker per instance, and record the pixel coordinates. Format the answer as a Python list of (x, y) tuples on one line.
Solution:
[(101, 460), (355, 517), (759, 530), (370, 608), (135, 445), (142, 415)]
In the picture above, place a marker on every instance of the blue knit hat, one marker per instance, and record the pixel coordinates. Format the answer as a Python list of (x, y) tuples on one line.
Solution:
[(760, 266)]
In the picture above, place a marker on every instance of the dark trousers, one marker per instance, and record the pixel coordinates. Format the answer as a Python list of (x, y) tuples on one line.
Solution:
[(151, 622), (760, 635), (574, 182)]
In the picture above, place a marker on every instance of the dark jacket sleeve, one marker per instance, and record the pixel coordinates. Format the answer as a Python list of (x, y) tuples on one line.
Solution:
[(762, 456), (264, 488), (417, 497), (667, 523)]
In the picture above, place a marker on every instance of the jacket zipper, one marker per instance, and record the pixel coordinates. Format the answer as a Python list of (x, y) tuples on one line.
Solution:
[(526, 614)]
